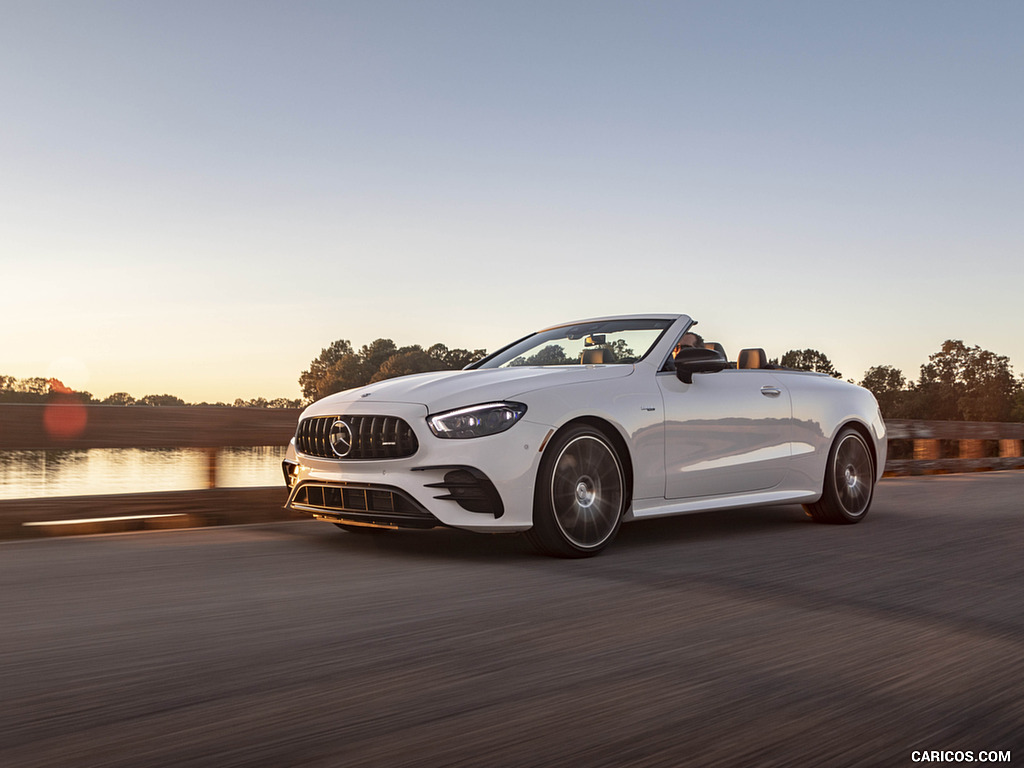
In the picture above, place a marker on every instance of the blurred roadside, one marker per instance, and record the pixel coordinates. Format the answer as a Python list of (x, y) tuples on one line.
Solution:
[(73, 426)]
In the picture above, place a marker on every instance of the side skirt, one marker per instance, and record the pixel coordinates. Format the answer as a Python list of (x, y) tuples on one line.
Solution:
[(645, 508)]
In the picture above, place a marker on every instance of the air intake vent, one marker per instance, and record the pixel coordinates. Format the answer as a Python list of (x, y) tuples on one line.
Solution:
[(366, 504)]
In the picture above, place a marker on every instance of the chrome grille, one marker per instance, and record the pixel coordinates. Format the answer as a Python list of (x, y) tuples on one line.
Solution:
[(373, 437)]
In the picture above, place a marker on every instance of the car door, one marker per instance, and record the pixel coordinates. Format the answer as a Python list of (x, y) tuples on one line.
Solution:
[(727, 432)]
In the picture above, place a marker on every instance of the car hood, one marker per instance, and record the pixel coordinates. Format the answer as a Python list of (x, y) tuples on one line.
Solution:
[(452, 389)]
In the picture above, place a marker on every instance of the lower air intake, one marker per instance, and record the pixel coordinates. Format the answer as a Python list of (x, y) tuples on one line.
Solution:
[(369, 504)]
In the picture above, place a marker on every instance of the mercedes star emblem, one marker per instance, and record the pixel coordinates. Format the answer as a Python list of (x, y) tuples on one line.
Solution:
[(340, 438)]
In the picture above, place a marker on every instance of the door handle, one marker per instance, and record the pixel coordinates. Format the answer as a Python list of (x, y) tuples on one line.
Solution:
[(769, 391)]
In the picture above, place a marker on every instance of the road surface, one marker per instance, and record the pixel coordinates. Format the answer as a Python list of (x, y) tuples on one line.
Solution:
[(749, 638)]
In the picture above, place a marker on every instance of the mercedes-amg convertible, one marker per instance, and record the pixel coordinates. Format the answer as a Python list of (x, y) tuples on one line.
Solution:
[(573, 430)]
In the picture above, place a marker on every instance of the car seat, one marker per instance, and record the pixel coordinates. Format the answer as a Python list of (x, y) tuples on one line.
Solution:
[(597, 356), (752, 358)]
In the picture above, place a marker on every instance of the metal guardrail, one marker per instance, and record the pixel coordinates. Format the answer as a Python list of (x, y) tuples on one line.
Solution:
[(977, 446), (954, 446)]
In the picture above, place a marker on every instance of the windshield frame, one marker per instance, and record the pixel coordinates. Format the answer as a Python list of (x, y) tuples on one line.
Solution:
[(574, 331)]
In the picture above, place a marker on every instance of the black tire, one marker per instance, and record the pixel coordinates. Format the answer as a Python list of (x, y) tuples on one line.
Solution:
[(849, 481), (580, 494)]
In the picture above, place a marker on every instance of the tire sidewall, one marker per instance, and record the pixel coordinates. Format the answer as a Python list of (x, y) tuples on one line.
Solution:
[(831, 487), (547, 534)]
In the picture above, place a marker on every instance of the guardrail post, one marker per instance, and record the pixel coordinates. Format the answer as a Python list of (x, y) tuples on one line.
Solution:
[(972, 449), (927, 449), (1010, 448), (211, 467)]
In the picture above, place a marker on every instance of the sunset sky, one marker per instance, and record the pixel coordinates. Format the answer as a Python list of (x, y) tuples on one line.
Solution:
[(196, 197)]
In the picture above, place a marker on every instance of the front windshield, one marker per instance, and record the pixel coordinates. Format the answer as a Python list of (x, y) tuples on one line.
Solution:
[(605, 342)]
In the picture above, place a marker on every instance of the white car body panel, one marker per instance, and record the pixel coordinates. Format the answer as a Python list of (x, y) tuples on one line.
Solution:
[(733, 438), (724, 435)]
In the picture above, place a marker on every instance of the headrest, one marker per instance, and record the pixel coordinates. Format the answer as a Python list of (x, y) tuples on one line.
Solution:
[(715, 346), (751, 358), (596, 356)]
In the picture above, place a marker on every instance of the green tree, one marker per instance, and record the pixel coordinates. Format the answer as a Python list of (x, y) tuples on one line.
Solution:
[(374, 355), (454, 359), (36, 385), (161, 400), (1017, 409), (889, 387), (262, 402), (340, 367), (552, 354), (119, 398), (809, 360), (622, 351), (314, 382), (966, 383), (284, 402), (31, 390), (407, 361), (256, 402)]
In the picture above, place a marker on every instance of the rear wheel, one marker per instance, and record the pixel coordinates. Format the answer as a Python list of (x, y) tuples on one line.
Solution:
[(580, 495), (849, 481)]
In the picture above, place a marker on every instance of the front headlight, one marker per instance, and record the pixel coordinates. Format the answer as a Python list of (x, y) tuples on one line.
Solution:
[(476, 420)]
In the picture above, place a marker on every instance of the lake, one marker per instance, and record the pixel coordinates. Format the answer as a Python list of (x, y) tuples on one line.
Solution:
[(36, 474)]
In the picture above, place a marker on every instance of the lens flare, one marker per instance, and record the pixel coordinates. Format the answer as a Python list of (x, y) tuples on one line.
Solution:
[(65, 417)]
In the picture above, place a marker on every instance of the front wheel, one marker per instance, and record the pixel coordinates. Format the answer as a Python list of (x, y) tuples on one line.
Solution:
[(849, 481), (580, 495)]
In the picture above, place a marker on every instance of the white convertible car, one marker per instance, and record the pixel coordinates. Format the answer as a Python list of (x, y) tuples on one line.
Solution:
[(570, 431)]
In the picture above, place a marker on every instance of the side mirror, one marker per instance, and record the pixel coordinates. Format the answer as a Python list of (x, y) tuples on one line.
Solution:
[(691, 360)]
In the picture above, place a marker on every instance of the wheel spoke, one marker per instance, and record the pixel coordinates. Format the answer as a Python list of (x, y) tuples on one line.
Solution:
[(586, 491), (852, 470)]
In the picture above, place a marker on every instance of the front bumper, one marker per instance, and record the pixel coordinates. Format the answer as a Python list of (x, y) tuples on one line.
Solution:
[(479, 484)]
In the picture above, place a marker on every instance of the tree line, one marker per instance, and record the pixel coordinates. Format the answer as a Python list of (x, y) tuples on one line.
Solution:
[(38, 389), (341, 367), (958, 383)]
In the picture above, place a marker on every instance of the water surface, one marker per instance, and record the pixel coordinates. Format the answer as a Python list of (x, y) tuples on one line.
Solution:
[(36, 474)]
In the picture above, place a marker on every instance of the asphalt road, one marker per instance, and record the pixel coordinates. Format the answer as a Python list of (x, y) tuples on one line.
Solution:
[(750, 638)]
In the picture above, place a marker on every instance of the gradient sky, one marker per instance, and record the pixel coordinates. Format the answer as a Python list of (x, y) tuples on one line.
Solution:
[(196, 197)]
